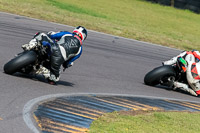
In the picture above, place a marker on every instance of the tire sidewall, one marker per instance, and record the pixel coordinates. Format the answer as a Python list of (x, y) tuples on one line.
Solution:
[(17, 63), (153, 77)]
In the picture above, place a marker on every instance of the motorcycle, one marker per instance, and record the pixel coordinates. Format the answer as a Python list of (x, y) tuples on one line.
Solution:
[(29, 61), (166, 75)]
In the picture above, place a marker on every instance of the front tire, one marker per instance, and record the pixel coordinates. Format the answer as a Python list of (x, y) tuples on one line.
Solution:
[(22, 60), (154, 77)]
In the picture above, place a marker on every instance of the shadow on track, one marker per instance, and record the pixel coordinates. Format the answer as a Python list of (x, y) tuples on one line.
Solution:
[(40, 78), (170, 89)]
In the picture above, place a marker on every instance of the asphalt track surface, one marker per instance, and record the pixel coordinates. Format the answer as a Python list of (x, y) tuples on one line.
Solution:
[(109, 64)]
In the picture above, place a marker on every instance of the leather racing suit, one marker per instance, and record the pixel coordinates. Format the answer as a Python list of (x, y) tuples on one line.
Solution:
[(192, 72), (65, 48)]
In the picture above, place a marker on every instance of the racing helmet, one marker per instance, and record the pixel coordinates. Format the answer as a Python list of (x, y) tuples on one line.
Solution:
[(81, 32)]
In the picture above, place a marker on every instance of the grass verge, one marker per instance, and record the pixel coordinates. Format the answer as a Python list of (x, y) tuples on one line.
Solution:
[(136, 19), (147, 122)]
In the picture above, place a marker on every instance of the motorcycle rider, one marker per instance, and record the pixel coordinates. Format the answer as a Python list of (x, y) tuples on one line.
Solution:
[(65, 47), (192, 59)]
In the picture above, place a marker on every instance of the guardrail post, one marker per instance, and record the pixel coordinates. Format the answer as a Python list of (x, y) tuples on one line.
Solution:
[(172, 3)]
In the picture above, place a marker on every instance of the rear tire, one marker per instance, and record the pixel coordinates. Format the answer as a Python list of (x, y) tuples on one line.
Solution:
[(16, 64), (154, 77)]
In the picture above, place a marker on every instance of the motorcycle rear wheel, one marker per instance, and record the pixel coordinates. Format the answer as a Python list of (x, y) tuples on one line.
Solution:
[(19, 62), (155, 76)]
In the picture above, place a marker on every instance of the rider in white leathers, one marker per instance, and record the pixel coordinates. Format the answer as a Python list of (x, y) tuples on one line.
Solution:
[(192, 72)]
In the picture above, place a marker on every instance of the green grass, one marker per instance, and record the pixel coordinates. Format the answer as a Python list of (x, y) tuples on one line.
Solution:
[(136, 19), (152, 122), (75, 9)]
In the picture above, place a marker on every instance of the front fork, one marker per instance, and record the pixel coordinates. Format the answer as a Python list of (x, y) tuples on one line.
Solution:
[(169, 81)]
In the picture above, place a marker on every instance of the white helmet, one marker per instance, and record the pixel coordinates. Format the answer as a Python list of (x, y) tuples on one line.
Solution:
[(81, 32)]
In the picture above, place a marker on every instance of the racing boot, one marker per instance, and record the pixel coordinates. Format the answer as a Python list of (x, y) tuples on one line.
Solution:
[(31, 45), (51, 78), (170, 62), (184, 87), (174, 59)]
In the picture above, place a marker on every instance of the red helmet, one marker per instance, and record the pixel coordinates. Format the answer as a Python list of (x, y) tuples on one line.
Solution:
[(81, 32)]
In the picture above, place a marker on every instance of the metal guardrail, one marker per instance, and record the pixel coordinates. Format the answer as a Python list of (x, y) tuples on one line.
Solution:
[(193, 5)]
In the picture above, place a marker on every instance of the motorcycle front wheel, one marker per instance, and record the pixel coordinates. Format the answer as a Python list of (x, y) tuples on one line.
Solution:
[(19, 62), (155, 76)]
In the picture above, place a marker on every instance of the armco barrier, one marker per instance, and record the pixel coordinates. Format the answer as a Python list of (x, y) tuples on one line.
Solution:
[(180, 4), (193, 5)]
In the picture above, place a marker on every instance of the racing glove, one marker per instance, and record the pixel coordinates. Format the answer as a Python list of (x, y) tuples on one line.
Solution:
[(32, 44), (67, 65), (182, 64), (52, 79)]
